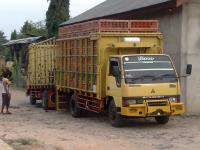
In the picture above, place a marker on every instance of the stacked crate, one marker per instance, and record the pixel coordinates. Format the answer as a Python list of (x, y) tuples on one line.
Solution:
[(143, 26), (124, 26)]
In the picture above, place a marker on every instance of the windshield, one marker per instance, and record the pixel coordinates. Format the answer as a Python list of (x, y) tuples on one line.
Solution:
[(148, 69)]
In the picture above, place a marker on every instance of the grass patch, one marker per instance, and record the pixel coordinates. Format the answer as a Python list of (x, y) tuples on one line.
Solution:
[(21, 142), (29, 144)]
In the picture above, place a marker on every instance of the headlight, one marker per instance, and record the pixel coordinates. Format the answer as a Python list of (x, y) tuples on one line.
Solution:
[(131, 102), (175, 99), (126, 101)]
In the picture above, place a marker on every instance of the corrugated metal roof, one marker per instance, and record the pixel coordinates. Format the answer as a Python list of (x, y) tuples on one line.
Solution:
[(111, 7), (23, 41)]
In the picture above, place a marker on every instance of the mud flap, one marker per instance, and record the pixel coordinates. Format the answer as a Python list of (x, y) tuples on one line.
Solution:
[(51, 99)]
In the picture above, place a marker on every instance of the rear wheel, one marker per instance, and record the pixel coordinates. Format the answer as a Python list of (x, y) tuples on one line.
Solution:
[(45, 100), (162, 119), (74, 109), (114, 118), (32, 100)]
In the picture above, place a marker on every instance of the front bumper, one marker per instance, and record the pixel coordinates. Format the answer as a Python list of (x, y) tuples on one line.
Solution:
[(145, 110)]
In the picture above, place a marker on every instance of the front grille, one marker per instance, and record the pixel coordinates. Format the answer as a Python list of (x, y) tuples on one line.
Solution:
[(157, 103), (150, 97), (140, 101)]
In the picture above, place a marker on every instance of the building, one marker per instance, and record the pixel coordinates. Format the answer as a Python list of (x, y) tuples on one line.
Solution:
[(180, 25)]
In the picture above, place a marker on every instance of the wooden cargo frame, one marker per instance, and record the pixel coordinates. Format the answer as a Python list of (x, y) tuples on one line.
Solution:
[(76, 70), (41, 67)]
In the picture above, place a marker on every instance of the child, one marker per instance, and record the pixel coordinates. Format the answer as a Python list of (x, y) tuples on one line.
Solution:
[(5, 84)]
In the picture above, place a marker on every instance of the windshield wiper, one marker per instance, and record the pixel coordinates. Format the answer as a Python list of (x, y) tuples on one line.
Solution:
[(142, 77), (164, 76)]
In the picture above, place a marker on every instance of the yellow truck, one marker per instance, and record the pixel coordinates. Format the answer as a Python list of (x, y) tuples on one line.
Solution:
[(115, 66)]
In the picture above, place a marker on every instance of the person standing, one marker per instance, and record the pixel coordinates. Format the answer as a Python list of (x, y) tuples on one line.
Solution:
[(1, 87), (5, 86)]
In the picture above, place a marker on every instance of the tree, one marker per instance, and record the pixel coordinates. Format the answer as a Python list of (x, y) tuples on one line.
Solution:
[(2, 40), (3, 50), (30, 28), (27, 28), (13, 35), (57, 13)]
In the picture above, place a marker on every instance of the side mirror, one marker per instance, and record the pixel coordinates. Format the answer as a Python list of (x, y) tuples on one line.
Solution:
[(116, 71), (189, 69)]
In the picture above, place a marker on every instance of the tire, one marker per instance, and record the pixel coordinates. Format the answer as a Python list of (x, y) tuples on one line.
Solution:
[(115, 119), (162, 119), (73, 107), (32, 100), (45, 100)]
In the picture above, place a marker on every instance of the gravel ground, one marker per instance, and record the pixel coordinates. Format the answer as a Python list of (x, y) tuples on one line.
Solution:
[(30, 127)]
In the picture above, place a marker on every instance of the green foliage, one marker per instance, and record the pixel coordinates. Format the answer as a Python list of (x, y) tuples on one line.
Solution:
[(3, 49), (13, 35), (38, 29), (30, 28), (2, 40), (57, 13)]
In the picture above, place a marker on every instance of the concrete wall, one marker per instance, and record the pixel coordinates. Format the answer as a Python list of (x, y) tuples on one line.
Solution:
[(191, 54), (170, 26)]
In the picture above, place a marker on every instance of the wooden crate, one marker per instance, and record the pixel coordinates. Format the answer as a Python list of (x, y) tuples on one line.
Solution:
[(106, 25)]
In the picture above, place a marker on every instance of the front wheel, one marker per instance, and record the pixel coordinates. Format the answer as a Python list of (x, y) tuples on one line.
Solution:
[(162, 119), (114, 118), (73, 106), (32, 100)]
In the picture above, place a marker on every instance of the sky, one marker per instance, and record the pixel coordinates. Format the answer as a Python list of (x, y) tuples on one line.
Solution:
[(13, 13)]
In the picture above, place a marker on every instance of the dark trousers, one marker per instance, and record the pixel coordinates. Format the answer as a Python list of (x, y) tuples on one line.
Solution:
[(5, 100)]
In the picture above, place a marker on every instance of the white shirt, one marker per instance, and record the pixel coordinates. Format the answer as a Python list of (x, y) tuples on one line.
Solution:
[(2, 88)]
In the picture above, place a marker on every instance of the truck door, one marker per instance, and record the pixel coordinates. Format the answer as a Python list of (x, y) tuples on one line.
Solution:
[(113, 83)]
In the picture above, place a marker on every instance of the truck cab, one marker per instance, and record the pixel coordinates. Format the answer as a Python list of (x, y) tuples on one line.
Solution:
[(142, 86)]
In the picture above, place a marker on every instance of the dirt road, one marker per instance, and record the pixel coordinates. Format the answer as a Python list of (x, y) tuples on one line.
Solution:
[(30, 127)]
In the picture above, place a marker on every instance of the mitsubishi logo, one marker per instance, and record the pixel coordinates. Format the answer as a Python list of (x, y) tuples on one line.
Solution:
[(153, 91)]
